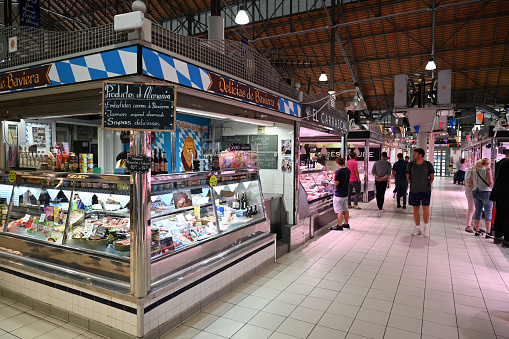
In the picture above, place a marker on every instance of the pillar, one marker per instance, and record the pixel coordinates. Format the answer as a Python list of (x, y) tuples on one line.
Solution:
[(431, 150), (366, 172), (140, 213), (422, 141)]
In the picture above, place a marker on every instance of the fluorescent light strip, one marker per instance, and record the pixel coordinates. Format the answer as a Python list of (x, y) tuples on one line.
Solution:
[(224, 117)]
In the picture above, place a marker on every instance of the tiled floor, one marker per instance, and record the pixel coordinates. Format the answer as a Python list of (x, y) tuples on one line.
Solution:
[(372, 281)]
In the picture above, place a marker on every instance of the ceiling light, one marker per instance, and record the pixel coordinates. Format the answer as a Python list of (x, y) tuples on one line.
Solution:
[(431, 64), (302, 150), (323, 151), (211, 115), (323, 77), (241, 18), (356, 105)]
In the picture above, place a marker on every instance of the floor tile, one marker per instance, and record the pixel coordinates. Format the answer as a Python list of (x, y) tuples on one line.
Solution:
[(267, 320), (181, 332), (279, 308), (254, 302), (405, 323), (407, 310), (295, 328), (306, 314), (240, 313), (17, 321), (252, 332), (60, 333), (316, 303), (224, 327), (439, 330), (396, 333), (338, 323), (201, 320), (367, 329), (290, 298), (320, 332), (34, 329)]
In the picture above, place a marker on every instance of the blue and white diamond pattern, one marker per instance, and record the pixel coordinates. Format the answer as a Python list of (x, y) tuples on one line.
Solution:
[(164, 67), (91, 67)]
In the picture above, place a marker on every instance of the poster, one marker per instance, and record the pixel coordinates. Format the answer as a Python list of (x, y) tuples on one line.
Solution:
[(286, 164), (286, 146), (182, 199), (39, 135), (190, 132)]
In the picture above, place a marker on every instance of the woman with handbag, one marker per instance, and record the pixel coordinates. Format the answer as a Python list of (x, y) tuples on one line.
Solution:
[(482, 182)]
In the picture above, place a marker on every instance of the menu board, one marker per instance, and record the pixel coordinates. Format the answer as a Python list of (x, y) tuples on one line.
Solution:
[(139, 107), (268, 160), (264, 143)]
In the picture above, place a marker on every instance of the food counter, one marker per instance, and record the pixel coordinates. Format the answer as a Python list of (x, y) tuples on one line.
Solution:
[(315, 198)]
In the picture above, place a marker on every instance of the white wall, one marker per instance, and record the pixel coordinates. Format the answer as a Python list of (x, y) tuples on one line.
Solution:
[(273, 180)]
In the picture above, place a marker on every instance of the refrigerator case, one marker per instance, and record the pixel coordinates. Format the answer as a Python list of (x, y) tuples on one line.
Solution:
[(185, 210), (317, 184)]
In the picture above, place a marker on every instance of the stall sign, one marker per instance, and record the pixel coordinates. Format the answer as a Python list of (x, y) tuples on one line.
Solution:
[(138, 164), (12, 176), (375, 154), (139, 107), (231, 88), (333, 153), (240, 147), (31, 77), (213, 181), (325, 118)]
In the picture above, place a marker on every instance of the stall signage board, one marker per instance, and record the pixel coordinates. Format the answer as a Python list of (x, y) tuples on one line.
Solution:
[(234, 146), (139, 107), (375, 154), (138, 164), (236, 139), (325, 118), (264, 143)]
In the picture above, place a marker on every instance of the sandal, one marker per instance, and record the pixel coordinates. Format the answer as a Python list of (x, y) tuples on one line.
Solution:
[(469, 229)]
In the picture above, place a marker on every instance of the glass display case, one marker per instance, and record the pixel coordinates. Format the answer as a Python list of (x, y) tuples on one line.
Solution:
[(92, 211), (317, 183)]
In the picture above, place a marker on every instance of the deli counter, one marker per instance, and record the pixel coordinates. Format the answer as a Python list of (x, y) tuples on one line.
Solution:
[(315, 198)]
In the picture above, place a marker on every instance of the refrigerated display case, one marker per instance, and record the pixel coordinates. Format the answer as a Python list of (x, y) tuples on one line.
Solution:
[(315, 198), (185, 211)]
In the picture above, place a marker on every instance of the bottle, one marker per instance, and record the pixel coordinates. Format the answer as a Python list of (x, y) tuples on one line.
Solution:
[(248, 212), (160, 161), (255, 212), (154, 172), (243, 202), (236, 201), (165, 161)]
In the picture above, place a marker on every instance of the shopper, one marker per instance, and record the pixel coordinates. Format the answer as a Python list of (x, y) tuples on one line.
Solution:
[(470, 198), (382, 172), (399, 172), (461, 171), (482, 181), (340, 200), (501, 197), (457, 171), (420, 175), (355, 181)]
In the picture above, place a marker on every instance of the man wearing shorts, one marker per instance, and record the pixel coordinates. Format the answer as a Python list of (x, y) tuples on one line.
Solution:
[(340, 201), (420, 175)]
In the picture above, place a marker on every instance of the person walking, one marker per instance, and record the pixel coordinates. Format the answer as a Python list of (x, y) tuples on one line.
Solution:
[(399, 172), (355, 181), (500, 194), (482, 181), (461, 171), (420, 174), (340, 200), (382, 172), (470, 199)]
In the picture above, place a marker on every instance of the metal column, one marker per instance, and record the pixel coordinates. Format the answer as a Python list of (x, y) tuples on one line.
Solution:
[(365, 198), (296, 166), (140, 213), (343, 146), (431, 148), (422, 142)]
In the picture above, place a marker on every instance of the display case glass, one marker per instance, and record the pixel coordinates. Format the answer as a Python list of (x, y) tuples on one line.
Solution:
[(317, 184), (75, 210), (186, 210), (91, 212)]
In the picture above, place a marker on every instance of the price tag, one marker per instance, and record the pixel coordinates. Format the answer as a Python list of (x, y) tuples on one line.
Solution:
[(42, 218), (88, 229), (197, 211), (12, 176), (101, 231), (213, 181), (26, 218), (189, 217), (180, 218)]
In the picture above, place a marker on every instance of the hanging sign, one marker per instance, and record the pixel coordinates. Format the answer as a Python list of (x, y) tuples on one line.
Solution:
[(30, 13), (213, 181), (12, 176), (325, 118), (31, 77), (240, 147), (139, 107), (138, 164)]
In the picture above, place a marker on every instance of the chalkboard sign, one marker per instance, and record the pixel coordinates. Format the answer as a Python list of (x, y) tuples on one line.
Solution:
[(239, 147), (268, 160), (101, 231), (242, 139), (138, 163), (139, 107), (264, 143)]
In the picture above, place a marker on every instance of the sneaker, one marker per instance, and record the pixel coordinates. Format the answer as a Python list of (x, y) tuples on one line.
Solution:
[(350, 206), (477, 233), (497, 240), (469, 230), (481, 230), (394, 195), (336, 228), (346, 225), (357, 207), (505, 244), (404, 207), (380, 211), (488, 236), (417, 231), (426, 232)]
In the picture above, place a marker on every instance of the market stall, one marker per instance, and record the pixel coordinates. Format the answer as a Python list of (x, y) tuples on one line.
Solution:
[(368, 147)]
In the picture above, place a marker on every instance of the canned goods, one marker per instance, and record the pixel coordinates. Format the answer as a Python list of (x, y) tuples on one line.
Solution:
[(90, 161), (83, 156), (83, 170), (90, 156), (90, 170), (95, 185)]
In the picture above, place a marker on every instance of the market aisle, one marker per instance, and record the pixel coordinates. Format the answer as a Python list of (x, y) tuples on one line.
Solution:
[(374, 281)]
